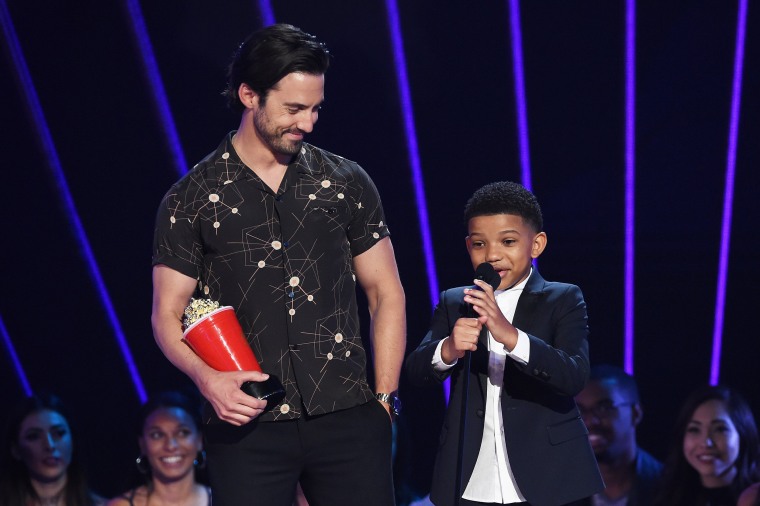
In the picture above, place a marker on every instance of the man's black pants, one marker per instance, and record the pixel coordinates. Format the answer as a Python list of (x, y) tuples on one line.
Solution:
[(341, 459)]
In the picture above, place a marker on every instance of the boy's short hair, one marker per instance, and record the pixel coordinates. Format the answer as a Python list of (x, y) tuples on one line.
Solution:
[(505, 197)]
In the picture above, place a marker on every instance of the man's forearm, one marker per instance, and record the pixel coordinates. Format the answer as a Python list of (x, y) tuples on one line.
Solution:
[(167, 331), (388, 342)]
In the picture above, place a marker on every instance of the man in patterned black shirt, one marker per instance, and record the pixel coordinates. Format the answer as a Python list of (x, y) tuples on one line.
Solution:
[(283, 231)]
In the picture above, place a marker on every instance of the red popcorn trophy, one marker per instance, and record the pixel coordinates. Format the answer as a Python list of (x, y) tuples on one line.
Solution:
[(215, 335)]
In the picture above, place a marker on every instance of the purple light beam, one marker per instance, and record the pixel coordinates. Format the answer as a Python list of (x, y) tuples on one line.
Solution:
[(728, 198), (14, 358), (37, 117), (267, 14), (156, 85), (394, 26), (630, 179), (520, 100)]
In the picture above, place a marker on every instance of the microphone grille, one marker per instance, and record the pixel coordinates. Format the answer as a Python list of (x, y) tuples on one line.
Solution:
[(486, 272)]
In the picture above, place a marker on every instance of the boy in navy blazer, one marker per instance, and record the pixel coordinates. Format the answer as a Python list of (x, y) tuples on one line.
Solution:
[(525, 441)]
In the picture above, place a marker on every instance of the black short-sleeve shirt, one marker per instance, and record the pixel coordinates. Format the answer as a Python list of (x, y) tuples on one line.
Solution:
[(284, 262)]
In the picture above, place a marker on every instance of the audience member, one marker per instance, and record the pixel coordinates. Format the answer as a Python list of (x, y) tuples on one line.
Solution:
[(750, 496), (611, 409), (39, 466), (171, 450), (714, 453)]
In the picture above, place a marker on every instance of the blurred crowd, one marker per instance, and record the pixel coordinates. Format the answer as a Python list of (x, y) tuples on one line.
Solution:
[(712, 457)]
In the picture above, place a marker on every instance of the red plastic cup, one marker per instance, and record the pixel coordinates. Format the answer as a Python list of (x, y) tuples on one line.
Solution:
[(218, 339)]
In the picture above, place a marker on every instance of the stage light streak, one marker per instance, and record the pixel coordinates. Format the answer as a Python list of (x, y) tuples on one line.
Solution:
[(267, 14), (43, 136), (519, 85), (728, 197), (399, 58), (14, 359), (407, 111), (156, 85), (630, 183)]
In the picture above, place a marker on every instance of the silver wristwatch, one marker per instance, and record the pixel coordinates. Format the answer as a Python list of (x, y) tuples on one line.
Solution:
[(391, 400)]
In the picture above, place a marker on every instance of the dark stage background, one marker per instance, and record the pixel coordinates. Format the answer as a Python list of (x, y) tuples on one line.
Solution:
[(97, 102)]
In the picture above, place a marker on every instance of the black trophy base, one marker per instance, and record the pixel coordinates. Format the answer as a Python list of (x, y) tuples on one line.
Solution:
[(270, 390)]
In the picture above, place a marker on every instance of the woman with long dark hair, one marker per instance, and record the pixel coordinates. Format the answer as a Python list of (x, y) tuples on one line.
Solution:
[(39, 466), (714, 453), (171, 454)]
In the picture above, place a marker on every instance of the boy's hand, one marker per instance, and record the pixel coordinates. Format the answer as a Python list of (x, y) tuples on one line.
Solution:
[(464, 337), (484, 304)]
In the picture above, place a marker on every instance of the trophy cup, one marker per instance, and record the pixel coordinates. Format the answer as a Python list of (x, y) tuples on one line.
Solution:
[(215, 335)]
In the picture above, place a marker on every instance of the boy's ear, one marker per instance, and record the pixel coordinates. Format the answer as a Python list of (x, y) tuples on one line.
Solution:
[(539, 244), (467, 243)]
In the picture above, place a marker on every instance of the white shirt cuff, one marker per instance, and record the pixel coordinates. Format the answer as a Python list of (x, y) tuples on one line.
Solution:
[(438, 363), (521, 351)]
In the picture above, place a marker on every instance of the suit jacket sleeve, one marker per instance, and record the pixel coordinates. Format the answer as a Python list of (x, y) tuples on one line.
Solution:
[(419, 364), (558, 340)]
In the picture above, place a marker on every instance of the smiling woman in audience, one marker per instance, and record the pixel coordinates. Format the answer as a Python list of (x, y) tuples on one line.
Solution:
[(171, 450), (714, 455)]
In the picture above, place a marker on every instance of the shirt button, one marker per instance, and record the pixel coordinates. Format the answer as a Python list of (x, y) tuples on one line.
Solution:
[(284, 409)]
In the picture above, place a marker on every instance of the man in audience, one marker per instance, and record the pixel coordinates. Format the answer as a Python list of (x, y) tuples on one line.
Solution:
[(611, 410)]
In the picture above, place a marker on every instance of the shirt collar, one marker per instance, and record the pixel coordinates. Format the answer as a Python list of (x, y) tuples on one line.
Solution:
[(518, 287), (228, 167)]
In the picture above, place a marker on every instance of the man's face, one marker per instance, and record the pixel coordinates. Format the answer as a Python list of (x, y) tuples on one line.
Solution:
[(610, 417), (289, 112), (507, 243)]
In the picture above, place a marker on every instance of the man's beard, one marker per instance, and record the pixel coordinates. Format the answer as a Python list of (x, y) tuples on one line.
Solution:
[(272, 138)]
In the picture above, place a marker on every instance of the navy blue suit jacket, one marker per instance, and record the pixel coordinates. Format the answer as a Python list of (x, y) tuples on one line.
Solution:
[(546, 439)]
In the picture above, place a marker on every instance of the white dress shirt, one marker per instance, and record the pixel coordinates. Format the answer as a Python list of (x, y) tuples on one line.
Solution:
[(492, 480)]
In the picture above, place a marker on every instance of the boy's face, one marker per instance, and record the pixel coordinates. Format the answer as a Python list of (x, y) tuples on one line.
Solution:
[(505, 242)]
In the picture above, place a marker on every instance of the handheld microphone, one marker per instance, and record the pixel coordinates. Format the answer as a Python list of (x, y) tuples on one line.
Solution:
[(484, 272)]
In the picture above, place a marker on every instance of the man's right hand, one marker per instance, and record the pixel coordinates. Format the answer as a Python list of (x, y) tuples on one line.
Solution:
[(222, 390)]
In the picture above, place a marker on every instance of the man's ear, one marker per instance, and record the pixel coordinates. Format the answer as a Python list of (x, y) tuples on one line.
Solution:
[(247, 96), (539, 244), (637, 413), (467, 243)]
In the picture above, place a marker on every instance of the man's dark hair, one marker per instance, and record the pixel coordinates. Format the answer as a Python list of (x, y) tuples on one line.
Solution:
[(505, 197), (623, 381), (270, 54)]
